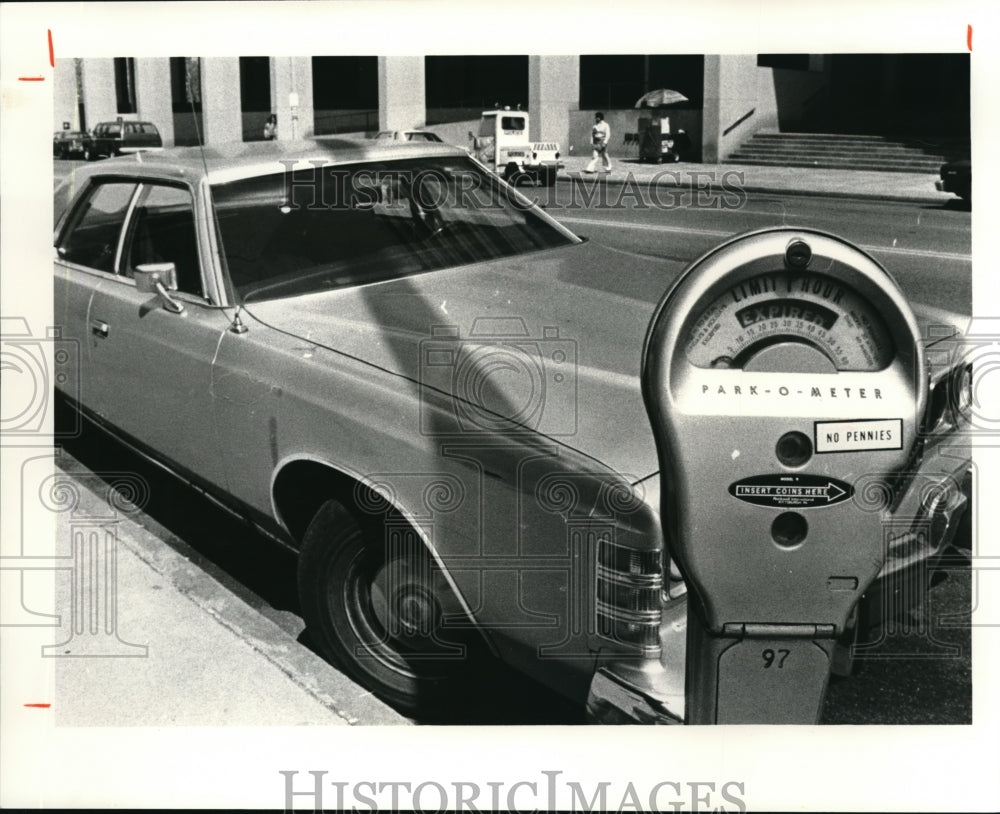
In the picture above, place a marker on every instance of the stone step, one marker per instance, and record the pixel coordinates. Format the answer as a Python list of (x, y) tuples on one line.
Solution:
[(860, 156), (947, 141), (842, 151), (832, 165), (852, 149)]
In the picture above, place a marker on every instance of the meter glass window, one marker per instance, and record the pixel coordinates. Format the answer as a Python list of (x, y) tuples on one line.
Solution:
[(817, 312)]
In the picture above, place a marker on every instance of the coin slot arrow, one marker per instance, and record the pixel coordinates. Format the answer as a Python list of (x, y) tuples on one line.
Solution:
[(783, 491)]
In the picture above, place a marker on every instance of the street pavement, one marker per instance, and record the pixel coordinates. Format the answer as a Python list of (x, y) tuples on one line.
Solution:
[(883, 186), (210, 658)]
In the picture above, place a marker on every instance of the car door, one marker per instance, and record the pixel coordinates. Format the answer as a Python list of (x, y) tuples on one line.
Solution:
[(86, 250), (151, 368)]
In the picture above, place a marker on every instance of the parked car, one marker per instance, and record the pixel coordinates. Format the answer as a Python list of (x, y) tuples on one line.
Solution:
[(109, 139), (68, 143), (391, 363), (408, 135), (956, 177)]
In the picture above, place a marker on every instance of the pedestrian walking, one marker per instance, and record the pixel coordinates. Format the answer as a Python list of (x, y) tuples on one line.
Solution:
[(271, 128), (600, 135)]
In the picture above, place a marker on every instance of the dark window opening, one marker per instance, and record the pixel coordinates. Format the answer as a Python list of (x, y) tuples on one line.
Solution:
[(255, 96), (609, 81), (185, 97), (125, 84), (458, 88), (790, 62), (345, 94)]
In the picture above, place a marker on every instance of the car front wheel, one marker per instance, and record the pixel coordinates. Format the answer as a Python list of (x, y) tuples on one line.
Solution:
[(376, 605)]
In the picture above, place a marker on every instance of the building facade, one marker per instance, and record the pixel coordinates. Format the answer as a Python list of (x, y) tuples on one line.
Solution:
[(213, 100)]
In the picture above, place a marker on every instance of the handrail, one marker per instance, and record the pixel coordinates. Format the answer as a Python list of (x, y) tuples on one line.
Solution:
[(739, 121)]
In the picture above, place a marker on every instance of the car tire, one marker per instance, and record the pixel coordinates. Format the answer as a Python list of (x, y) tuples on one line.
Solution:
[(88, 154), (374, 604)]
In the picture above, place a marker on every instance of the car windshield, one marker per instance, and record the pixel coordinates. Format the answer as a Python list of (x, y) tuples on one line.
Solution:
[(332, 226)]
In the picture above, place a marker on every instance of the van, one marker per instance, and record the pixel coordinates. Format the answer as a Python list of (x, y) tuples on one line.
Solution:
[(119, 137)]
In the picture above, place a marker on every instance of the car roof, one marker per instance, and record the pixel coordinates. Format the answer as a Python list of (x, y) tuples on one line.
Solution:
[(230, 162)]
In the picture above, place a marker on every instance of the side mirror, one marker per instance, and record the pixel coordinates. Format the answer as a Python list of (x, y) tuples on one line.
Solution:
[(159, 279)]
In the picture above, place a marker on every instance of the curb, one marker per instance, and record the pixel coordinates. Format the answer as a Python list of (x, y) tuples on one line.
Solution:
[(773, 189)]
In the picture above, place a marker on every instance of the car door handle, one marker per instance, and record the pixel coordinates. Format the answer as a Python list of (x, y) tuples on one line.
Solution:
[(99, 327)]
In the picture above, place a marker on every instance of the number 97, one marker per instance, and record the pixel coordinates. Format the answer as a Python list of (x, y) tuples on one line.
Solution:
[(771, 656)]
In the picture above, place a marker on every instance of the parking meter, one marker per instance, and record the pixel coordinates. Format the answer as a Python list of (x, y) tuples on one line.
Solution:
[(781, 368)]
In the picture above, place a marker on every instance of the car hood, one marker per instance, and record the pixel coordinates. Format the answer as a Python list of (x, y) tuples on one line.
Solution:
[(552, 340)]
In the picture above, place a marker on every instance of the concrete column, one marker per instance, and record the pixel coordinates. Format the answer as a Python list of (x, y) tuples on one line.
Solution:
[(220, 88), (553, 91), (64, 107), (99, 91), (401, 93), (292, 75), (732, 109), (152, 81), (711, 128)]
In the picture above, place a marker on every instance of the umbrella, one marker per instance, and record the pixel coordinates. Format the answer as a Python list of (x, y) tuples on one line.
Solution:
[(657, 98)]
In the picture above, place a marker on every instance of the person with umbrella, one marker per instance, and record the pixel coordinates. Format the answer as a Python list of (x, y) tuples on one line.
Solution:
[(600, 135), (656, 139)]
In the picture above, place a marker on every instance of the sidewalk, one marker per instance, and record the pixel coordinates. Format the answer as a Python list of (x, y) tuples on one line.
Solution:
[(184, 650), (883, 186)]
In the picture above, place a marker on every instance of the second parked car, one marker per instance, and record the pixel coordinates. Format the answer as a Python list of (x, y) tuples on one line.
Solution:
[(115, 138), (68, 143), (956, 176)]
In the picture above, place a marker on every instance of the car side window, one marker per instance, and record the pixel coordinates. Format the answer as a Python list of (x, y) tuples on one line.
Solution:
[(163, 231), (92, 237)]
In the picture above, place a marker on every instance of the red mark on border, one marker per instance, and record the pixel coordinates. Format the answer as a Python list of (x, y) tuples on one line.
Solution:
[(31, 79), (52, 51), (39, 706), (968, 37)]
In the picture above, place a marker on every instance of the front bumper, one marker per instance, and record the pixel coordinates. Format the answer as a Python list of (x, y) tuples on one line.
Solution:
[(925, 521)]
